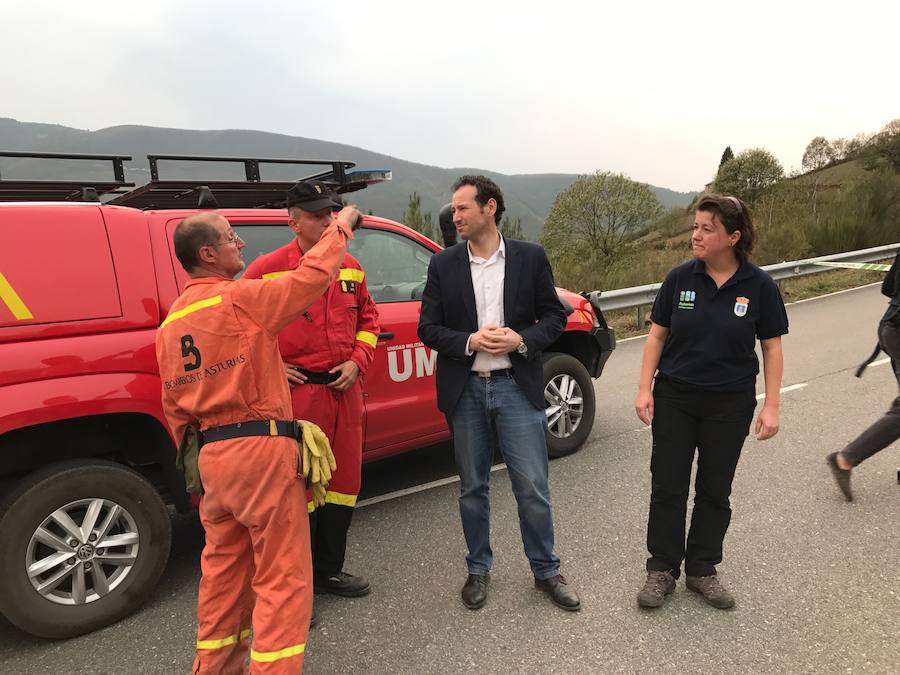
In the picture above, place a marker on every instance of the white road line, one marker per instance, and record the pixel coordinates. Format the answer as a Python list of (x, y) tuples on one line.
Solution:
[(828, 295), (880, 362), (417, 488), (793, 387)]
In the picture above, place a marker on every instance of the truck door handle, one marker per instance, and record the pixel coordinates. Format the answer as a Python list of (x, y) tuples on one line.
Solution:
[(385, 336)]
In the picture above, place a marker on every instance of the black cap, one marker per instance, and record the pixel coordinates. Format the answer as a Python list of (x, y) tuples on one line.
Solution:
[(311, 196)]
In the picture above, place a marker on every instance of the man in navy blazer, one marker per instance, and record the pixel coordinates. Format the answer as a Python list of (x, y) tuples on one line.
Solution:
[(489, 309)]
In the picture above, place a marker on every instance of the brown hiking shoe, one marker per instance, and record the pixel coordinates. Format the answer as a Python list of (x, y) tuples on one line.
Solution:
[(841, 476), (712, 591), (657, 586)]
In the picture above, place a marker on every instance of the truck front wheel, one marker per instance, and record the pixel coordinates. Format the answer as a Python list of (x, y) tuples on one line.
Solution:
[(570, 403), (84, 544)]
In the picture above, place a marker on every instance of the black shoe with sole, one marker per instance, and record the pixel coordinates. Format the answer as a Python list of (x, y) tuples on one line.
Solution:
[(474, 591), (841, 476), (560, 592), (343, 584)]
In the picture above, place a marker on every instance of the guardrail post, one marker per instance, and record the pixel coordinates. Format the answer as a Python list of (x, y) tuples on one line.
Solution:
[(640, 317)]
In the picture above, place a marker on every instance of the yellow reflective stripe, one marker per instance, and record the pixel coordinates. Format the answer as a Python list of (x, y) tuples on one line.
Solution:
[(12, 300), (275, 275), (369, 338), (350, 274), (340, 499), (224, 642), (268, 657), (191, 308), (217, 644)]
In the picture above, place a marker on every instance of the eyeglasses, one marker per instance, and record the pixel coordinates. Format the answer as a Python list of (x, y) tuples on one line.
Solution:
[(232, 238)]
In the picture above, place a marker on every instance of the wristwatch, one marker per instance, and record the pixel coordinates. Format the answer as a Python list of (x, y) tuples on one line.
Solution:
[(522, 348)]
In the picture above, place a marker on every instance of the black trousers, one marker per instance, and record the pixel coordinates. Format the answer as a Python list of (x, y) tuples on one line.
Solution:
[(715, 424), (328, 526), (887, 429)]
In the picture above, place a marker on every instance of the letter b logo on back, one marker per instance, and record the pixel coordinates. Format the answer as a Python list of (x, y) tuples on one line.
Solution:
[(188, 349)]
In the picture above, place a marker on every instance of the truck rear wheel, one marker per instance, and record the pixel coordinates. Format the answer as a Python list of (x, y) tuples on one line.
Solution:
[(84, 544), (570, 403)]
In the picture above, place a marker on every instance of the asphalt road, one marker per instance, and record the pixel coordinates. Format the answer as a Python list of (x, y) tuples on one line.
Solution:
[(817, 580)]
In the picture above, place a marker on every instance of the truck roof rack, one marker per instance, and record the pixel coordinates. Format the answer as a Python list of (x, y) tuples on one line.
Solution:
[(63, 191), (253, 192)]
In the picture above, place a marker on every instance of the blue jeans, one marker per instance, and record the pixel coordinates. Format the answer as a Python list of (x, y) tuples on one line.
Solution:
[(497, 405)]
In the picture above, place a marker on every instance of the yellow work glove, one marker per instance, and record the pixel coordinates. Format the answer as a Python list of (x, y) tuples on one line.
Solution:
[(318, 494), (318, 459)]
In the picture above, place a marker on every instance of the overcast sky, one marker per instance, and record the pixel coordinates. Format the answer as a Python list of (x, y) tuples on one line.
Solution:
[(652, 89)]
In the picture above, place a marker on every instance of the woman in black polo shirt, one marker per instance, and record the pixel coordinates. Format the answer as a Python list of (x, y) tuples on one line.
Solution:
[(705, 322)]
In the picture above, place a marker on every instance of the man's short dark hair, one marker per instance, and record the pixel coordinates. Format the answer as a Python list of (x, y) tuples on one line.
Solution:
[(485, 189), (191, 234)]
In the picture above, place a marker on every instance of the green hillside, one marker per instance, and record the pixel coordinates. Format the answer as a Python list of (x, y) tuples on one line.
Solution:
[(528, 196)]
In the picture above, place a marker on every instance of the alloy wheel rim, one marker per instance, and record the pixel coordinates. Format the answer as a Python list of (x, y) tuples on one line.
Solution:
[(565, 405), (82, 551)]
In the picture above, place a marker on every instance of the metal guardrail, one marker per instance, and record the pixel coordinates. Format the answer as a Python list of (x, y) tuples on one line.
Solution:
[(638, 296)]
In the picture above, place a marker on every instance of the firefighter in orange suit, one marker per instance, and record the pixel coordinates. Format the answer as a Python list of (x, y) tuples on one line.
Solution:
[(325, 352), (220, 367)]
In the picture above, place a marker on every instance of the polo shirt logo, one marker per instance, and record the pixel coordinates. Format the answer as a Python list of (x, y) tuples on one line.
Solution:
[(686, 299), (740, 306)]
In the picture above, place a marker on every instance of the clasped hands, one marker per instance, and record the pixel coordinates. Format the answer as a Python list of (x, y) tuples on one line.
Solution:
[(494, 340)]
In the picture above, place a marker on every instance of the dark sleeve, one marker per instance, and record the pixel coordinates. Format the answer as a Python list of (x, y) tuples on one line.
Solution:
[(550, 313), (432, 331), (661, 314), (773, 319), (891, 284)]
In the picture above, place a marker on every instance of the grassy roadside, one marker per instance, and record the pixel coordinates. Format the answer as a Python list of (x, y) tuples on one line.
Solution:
[(625, 320)]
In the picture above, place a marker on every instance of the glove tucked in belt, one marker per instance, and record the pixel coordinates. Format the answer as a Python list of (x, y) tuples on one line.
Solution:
[(187, 460), (316, 458)]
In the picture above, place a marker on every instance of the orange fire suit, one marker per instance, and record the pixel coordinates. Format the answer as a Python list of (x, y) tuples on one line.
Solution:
[(340, 326), (219, 364)]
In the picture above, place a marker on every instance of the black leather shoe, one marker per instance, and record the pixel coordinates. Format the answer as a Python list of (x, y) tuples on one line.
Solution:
[(560, 592), (474, 591), (343, 584)]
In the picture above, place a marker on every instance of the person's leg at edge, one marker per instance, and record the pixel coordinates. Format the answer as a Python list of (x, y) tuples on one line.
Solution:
[(886, 430)]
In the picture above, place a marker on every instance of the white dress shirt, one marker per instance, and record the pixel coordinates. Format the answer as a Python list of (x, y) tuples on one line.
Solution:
[(487, 281)]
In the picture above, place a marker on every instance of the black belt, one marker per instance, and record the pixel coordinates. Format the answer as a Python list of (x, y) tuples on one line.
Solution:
[(317, 378), (502, 372), (225, 432)]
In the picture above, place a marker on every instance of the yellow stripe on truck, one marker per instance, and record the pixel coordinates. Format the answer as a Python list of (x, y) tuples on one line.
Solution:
[(191, 308), (12, 300)]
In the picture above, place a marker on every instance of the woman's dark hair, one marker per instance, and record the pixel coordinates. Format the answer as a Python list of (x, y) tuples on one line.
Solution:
[(485, 189), (734, 214)]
